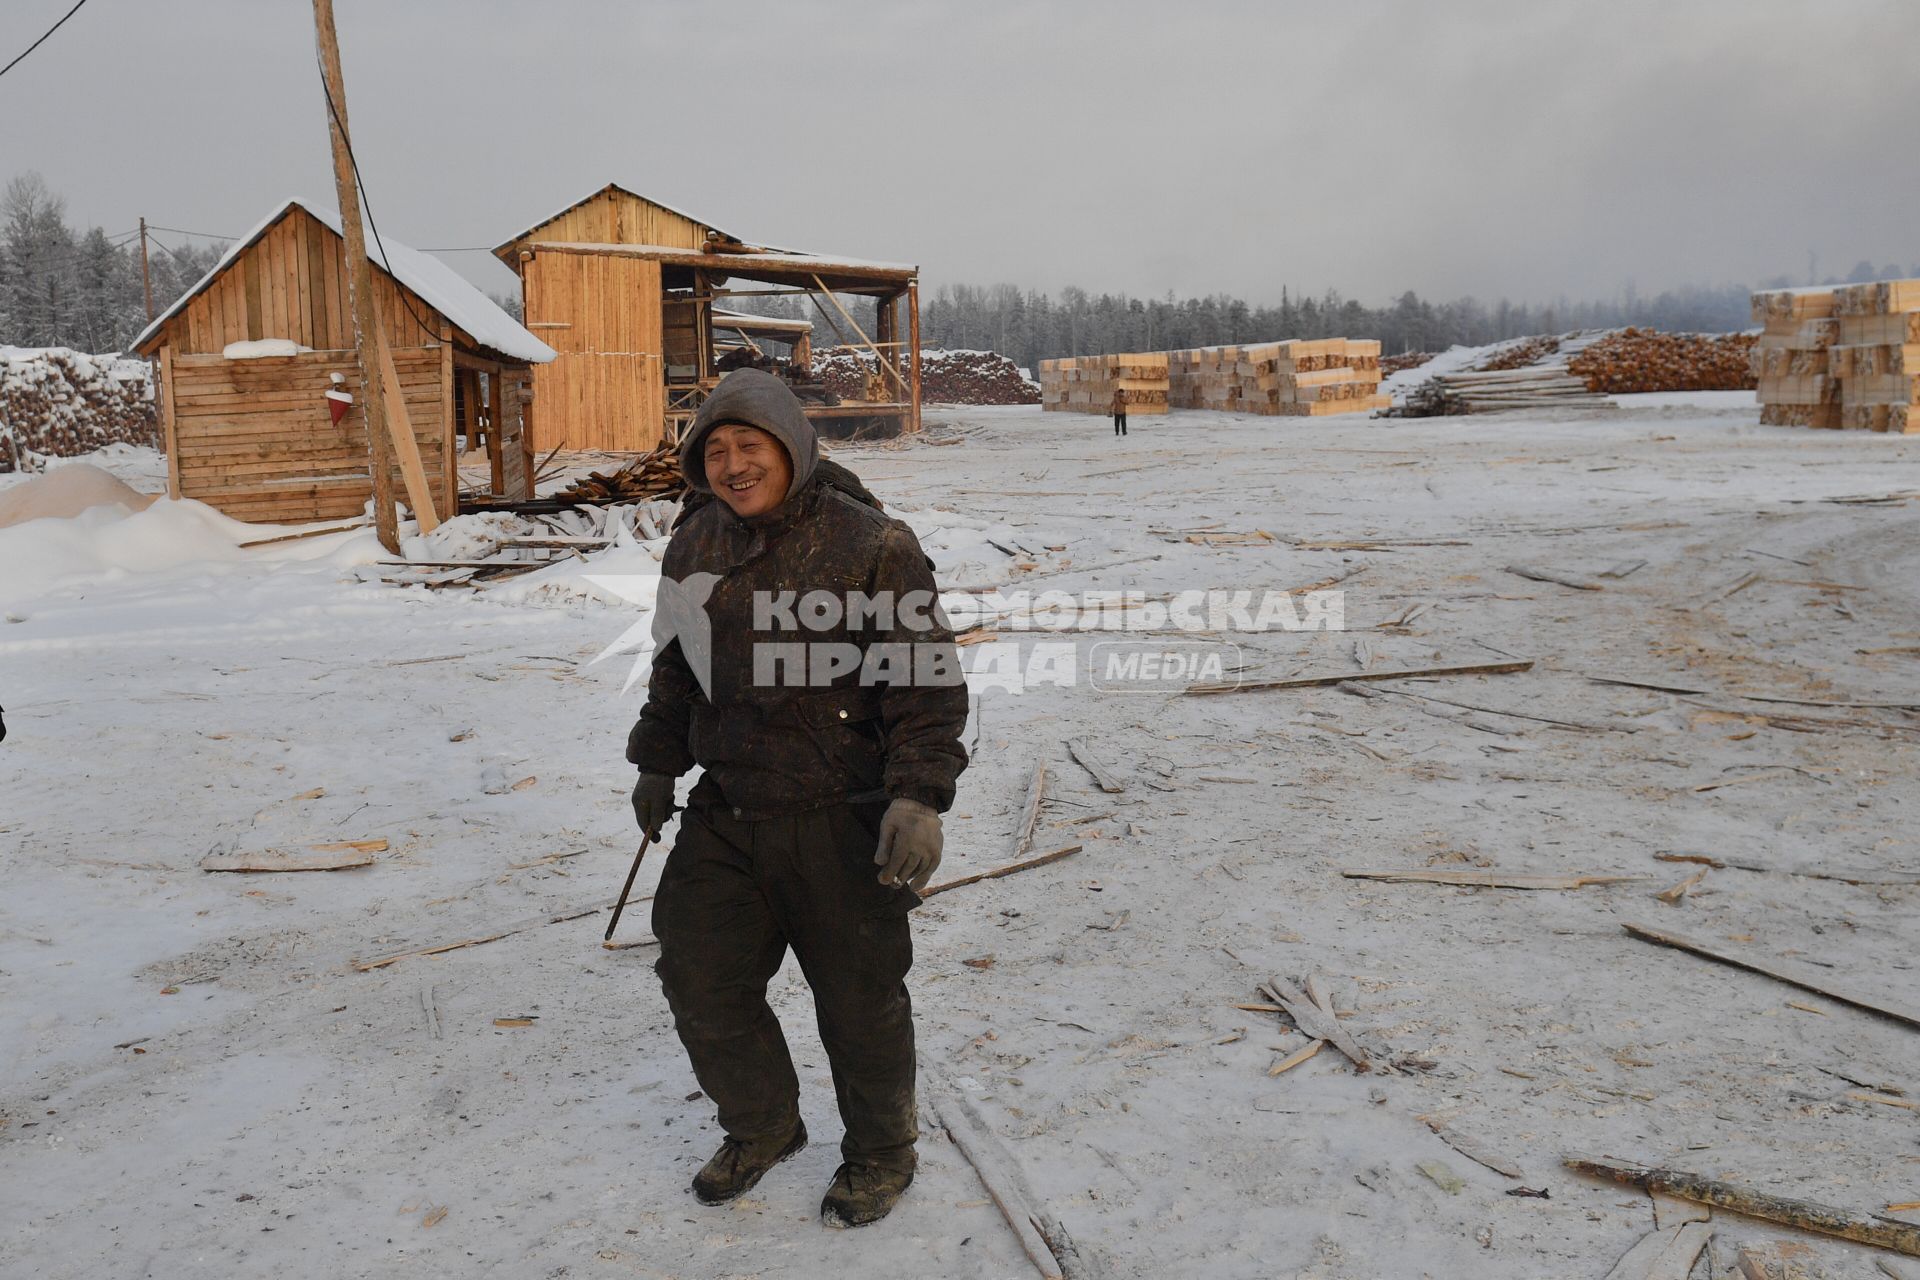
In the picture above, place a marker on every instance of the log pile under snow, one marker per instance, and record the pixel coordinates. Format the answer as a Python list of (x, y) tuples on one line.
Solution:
[(59, 403), (1876, 355), (946, 377), (1639, 360), (1088, 384), (1298, 378)]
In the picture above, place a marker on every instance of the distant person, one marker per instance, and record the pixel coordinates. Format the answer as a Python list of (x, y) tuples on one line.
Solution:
[(1119, 413)]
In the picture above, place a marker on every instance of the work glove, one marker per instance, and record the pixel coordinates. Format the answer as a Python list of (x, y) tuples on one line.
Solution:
[(653, 802), (909, 844)]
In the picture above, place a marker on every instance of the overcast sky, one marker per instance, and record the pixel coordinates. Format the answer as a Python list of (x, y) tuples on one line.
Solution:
[(1531, 148)]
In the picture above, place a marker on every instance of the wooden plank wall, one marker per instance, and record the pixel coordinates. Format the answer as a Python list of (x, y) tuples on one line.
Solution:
[(605, 390), (614, 217), (254, 438), (291, 283)]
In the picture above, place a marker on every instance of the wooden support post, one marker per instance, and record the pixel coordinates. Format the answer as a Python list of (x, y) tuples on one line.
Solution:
[(913, 344), (855, 326), (359, 283), (406, 446)]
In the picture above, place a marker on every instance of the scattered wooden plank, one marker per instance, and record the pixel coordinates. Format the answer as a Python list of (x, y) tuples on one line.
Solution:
[(1624, 568), (320, 857), (1082, 750), (998, 1173), (1765, 775), (1548, 575), (1666, 1253), (1779, 971), (1847, 1224), (1671, 896), (1908, 705), (1906, 1104), (1305, 682), (1484, 879), (1313, 1023), (1007, 870), (1471, 1149), (351, 525), (1860, 875), (1036, 796), (367, 966), (1295, 1058)]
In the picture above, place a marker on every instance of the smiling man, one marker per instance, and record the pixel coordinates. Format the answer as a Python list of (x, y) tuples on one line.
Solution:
[(816, 821)]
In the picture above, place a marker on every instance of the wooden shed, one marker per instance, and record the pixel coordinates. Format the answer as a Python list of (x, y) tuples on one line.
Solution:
[(246, 418), (625, 288)]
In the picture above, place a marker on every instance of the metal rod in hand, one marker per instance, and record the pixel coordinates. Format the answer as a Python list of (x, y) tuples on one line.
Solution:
[(645, 840)]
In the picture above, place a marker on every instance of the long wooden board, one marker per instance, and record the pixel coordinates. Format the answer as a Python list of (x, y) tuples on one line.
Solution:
[(1779, 971)]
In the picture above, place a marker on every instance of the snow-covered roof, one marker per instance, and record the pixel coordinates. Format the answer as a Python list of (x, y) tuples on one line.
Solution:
[(436, 284)]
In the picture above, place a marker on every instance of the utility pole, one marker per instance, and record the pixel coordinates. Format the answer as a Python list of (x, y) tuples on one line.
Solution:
[(366, 336), (146, 281)]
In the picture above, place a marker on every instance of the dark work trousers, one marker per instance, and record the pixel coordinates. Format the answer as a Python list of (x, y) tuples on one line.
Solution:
[(1119, 422), (734, 896)]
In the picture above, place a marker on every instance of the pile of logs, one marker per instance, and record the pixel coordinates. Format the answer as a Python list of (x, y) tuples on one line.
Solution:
[(59, 403), (946, 377), (1547, 386), (1876, 355), (1791, 361), (1088, 384), (1636, 360), (1390, 365), (1519, 354), (1298, 378), (655, 474)]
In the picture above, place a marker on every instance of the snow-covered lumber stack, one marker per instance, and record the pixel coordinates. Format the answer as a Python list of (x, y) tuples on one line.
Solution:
[(1876, 355), (1297, 378), (1791, 361), (1087, 384)]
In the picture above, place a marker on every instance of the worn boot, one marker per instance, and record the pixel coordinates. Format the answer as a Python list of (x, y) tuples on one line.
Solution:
[(863, 1193), (735, 1167)]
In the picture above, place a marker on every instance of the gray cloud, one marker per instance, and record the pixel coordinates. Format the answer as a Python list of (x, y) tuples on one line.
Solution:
[(1529, 149)]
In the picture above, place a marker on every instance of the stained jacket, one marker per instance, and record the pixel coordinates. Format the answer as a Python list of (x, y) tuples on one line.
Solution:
[(770, 751)]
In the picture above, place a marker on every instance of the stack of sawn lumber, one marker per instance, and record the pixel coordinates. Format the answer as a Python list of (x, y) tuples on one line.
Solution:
[(1087, 384), (1792, 362), (1297, 378), (1544, 386), (1876, 355)]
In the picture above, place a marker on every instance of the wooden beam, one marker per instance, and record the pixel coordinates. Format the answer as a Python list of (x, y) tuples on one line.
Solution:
[(406, 446), (913, 344), (855, 324), (1847, 1224), (373, 398), (167, 421), (1306, 682)]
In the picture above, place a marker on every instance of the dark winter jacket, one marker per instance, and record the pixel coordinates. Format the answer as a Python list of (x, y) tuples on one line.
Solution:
[(770, 750)]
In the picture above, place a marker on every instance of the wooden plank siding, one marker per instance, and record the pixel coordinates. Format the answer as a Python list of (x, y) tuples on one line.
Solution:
[(605, 389), (254, 438), (291, 284), (613, 216)]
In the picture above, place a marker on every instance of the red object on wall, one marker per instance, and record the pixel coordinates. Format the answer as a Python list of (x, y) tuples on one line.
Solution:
[(338, 402)]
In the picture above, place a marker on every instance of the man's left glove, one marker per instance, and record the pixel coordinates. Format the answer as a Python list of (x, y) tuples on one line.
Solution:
[(653, 802), (910, 843)]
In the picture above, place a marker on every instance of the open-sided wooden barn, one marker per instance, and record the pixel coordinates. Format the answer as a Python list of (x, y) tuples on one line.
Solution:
[(252, 434), (624, 288)]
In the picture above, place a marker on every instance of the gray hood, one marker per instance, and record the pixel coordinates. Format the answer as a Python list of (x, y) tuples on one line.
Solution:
[(758, 399)]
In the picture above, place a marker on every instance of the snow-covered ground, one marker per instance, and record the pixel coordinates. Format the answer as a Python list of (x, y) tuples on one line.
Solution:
[(195, 1079)]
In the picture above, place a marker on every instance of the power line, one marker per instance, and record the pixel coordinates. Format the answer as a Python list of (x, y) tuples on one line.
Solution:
[(42, 40), (198, 235)]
